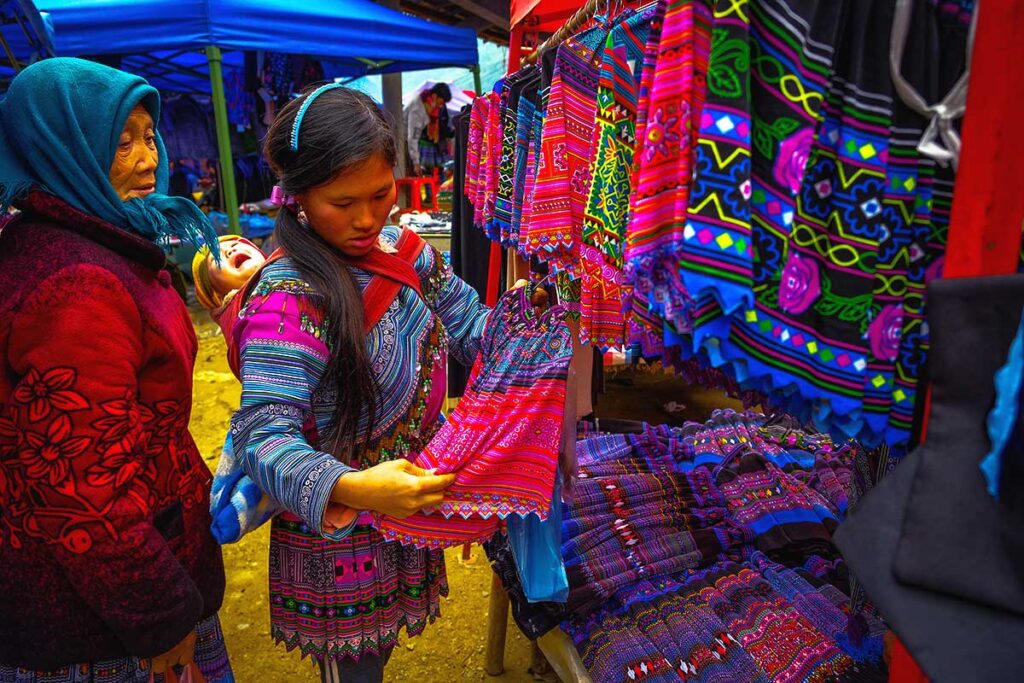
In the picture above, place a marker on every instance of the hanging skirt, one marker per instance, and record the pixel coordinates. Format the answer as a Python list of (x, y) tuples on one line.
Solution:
[(211, 656)]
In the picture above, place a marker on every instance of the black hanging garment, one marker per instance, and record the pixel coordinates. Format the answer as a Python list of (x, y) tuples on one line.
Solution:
[(935, 552)]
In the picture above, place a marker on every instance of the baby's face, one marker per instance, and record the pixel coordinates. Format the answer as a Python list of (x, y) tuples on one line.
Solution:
[(239, 260)]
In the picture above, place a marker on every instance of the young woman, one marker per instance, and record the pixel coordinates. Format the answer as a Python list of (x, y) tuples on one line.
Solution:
[(343, 344)]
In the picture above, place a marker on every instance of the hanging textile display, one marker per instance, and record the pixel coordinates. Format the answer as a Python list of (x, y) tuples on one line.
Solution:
[(607, 206), (740, 186)]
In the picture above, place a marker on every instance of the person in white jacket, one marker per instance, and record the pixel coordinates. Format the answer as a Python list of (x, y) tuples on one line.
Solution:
[(427, 129)]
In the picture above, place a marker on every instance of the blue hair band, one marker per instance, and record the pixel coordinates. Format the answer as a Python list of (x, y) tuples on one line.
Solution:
[(302, 110)]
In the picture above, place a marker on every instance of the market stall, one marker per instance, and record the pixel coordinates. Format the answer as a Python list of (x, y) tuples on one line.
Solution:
[(732, 228)]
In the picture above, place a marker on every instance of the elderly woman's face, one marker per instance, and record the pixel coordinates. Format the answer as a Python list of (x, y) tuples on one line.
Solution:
[(133, 173)]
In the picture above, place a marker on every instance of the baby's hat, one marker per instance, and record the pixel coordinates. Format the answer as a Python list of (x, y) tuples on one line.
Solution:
[(205, 293)]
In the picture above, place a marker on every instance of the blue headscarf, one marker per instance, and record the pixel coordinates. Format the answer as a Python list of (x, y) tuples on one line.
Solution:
[(59, 129)]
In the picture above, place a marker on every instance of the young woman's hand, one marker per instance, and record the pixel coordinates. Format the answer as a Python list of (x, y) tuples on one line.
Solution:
[(396, 488)]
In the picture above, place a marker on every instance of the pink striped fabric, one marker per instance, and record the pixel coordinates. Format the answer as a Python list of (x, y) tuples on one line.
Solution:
[(670, 108), (477, 121), (563, 180), (503, 438), (489, 169)]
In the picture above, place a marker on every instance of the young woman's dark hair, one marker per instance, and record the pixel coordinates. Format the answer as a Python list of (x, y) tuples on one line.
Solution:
[(340, 130)]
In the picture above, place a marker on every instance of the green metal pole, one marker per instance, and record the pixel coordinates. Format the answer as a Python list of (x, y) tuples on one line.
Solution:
[(477, 84), (220, 117)]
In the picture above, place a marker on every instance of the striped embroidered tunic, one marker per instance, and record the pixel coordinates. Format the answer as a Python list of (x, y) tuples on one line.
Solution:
[(338, 592)]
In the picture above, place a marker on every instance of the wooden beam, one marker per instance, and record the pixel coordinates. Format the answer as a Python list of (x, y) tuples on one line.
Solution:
[(483, 12)]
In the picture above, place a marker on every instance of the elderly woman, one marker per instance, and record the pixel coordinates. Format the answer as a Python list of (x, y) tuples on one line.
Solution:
[(108, 571)]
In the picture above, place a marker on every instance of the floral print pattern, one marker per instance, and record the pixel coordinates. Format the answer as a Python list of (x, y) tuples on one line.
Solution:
[(49, 391)]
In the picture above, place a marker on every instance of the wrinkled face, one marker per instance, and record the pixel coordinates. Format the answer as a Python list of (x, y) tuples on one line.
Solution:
[(239, 261), (133, 173), (350, 210)]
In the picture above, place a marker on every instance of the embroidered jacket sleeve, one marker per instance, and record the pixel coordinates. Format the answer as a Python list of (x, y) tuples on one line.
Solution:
[(88, 459), (283, 360), (456, 303)]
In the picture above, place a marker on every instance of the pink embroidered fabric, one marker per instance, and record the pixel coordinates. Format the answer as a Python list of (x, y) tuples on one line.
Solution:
[(503, 439)]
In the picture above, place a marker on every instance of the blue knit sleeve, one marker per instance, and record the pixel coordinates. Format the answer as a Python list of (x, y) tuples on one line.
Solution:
[(457, 304), (283, 359)]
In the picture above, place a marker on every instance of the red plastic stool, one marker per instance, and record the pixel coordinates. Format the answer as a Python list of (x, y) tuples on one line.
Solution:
[(422, 193)]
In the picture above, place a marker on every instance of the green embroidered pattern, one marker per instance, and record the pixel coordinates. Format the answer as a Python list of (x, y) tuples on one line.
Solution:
[(729, 65)]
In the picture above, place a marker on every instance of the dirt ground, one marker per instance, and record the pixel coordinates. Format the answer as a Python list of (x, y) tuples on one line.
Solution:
[(453, 648)]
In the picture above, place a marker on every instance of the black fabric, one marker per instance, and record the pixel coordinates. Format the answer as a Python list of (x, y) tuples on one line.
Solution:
[(928, 543), (523, 83), (470, 248), (547, 71), (949, 541), (952, 640)]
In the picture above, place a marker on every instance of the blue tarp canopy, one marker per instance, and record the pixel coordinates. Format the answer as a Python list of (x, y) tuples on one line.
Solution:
[(161, 40), (28, 35)]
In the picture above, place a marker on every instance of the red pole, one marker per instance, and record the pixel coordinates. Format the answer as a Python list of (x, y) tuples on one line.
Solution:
[(988, 201)]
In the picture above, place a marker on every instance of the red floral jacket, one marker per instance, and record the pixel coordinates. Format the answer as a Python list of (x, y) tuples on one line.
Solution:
[(105, 548)]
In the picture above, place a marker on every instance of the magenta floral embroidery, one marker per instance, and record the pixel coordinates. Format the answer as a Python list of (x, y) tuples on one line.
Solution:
[(792, 159), (885, 331), (801, 284), (661, 133)]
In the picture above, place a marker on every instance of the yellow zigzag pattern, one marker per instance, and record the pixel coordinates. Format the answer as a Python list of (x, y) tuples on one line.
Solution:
[(713, 199), (722, 163)]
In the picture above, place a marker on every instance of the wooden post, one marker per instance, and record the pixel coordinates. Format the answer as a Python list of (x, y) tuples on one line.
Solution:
[(497, 628)]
